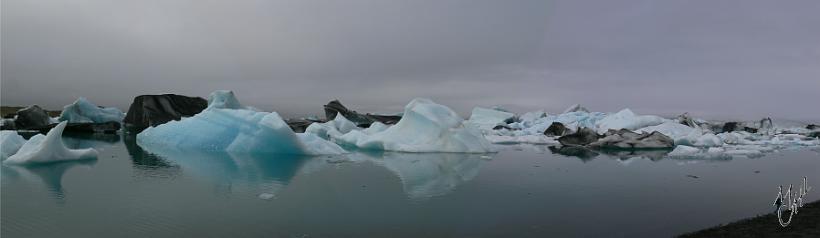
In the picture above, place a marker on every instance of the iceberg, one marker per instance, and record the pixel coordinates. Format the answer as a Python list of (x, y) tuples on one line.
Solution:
[(83, 111), (31, 117), (10, 142), (49, 148), (487, 119), (226, 125), (333, 128), (425, 127), (626, 119)]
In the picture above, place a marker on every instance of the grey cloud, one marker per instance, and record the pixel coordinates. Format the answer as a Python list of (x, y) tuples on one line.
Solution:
[(742, 58)]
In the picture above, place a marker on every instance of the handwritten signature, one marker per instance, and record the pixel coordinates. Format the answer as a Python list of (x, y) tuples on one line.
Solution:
[(790, 202)]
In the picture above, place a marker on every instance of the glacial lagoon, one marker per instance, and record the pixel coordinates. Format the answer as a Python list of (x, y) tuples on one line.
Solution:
[(521, 191)]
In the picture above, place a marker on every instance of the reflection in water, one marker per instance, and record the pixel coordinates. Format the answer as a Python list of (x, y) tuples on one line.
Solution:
[(623, 155), (573, 151), (426, 175), (89, 140), (50, 174), (147, 164), (270, 171), (423, 175)]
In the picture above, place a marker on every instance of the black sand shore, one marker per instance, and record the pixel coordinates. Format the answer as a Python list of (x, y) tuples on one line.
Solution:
[(804, 224)]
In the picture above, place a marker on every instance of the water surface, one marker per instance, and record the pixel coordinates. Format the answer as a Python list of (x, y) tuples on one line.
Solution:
[(522, 191)]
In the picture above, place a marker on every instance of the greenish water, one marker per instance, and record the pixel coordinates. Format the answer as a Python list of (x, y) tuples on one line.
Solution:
[(522, 191)]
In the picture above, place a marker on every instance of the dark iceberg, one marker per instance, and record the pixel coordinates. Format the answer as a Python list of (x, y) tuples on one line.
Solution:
[(153, 110)]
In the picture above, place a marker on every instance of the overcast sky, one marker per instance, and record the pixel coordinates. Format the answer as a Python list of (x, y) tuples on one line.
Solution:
[(740, 58)]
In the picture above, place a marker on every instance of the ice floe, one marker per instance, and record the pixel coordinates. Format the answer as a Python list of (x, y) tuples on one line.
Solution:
[(49, 148)]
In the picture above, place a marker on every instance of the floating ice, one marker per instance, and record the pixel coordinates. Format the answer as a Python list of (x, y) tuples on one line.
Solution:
[(228, 126), (626, 119), (49, 148), (425, 127), (684, 150), (486, 119), (10, 142), (334, 128), (83, 111)]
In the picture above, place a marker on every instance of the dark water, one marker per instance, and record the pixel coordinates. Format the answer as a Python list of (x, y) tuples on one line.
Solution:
[(522, 191)]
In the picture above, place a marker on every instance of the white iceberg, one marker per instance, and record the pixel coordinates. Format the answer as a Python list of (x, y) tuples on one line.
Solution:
[(626, 119), (228, 126), (10, 143), (486, 119), (425, 127), (49, 148), (333, 128), (83, 111)]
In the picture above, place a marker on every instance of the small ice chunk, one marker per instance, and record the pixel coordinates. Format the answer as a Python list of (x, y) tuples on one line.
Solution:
[(266, 196), (683, 150), (49, 148)]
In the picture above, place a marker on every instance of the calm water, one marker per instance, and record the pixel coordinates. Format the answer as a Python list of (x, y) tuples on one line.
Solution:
[(522, 191)]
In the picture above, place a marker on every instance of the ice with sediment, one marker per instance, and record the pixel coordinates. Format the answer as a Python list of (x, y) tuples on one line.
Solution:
[(10, 142), (83, 111), (49, 148), (424, 127), (227, 125)]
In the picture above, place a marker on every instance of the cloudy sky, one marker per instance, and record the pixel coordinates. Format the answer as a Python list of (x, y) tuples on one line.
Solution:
[(731, 58)]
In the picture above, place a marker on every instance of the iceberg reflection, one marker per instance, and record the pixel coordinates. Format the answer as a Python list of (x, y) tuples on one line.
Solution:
[(51, 174), (426, 175)]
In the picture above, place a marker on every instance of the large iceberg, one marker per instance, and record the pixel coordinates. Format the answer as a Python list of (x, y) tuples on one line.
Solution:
[(227, 125), (10, 142), (83, 111), (425, 127), (49, 148)]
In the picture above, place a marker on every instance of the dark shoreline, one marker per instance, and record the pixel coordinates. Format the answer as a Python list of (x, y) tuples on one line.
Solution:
[(804, 224)]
